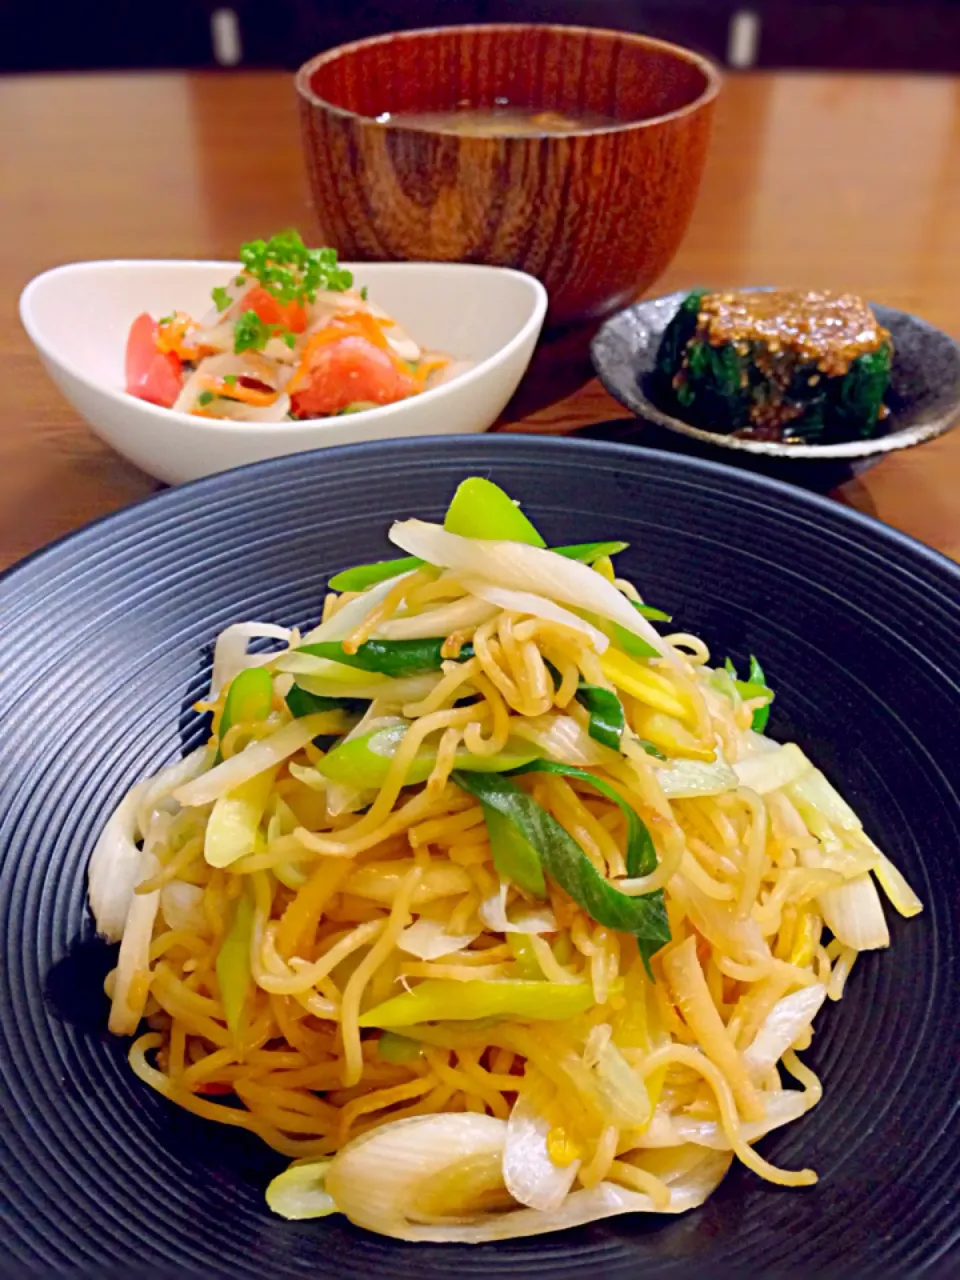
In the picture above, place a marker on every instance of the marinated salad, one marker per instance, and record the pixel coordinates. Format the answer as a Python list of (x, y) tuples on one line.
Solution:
[(286, 337)]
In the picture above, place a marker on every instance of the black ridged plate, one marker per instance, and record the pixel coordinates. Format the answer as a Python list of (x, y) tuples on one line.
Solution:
[(104, 645)]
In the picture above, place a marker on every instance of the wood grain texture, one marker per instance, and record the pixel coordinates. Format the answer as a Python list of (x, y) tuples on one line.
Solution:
[(836, 181), (596, 216)]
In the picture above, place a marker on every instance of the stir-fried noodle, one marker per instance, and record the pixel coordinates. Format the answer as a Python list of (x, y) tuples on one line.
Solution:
[(510, 866)]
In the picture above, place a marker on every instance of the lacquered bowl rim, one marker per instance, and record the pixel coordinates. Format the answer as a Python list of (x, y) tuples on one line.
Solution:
[(707, 68)]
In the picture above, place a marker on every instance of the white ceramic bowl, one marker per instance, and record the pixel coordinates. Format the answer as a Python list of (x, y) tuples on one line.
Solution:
[(78, 317)]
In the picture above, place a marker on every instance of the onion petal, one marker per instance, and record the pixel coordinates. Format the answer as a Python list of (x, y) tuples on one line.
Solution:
[(770, 770), (375, 1181), (134, 957), (349, 616), (560, 738), (469, 611), (785, 1023), (493, 913), (666, 1130), (256, 758), (688, 779), (854, 914), (529, 1174), (519, 567), (526, 602), (230, 655), (428, 940), (114, 867), (182, 906)]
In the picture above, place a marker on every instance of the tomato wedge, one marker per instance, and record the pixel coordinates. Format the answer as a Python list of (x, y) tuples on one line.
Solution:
[(292, 315), (151, 374), (345, 371)]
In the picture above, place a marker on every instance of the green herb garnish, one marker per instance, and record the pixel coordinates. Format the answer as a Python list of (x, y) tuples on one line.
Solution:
[(250, 333), (205, 398), (230, 380), (166, 320), (221, 298), (364, 292), (289, 271)]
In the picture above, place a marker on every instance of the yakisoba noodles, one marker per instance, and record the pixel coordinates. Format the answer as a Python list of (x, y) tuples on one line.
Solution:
[(487, 903)]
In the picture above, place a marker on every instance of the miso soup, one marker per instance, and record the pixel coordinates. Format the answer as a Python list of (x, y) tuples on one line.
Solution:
[(500, 121)]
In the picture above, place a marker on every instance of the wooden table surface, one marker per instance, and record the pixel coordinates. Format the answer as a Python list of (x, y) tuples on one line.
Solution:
[(842, 181)]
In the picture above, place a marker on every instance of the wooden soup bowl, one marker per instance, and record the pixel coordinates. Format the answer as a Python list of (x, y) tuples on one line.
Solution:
[(597, 214)]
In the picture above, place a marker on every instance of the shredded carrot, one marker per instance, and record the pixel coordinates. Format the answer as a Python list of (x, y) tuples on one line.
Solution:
[(172, 337), (427, 366), (238, 391)]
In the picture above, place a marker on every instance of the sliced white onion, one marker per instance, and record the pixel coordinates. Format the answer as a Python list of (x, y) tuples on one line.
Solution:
[(230, 655), (739, 938), (519, 567), (340, 673), (182, 906), (375, 1181), (526, 602), (493, 913), (785, 1023), (688, 779), (624, 1092), (428, 940), (251, 364), (114, 868), (349, 616), (254, 759), (214, 318), (402, 343), (387, 692), (854, 914), (158, 795), (770, 770), (309, 776), (814, 791), (134, 957), (666, 1130), (560, 738), (237, 411), (753, 743), (298, 1192), (134, 954), (529, 1174), (895, 886), (219, 335), (469, 611), (342, 798), (452, 369)]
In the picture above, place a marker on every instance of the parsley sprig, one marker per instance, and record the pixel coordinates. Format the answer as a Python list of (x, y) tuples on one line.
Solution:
[(250, 333), (287, 269)]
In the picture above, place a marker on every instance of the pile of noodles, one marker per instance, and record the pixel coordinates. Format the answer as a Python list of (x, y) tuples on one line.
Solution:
[(478, 1127)]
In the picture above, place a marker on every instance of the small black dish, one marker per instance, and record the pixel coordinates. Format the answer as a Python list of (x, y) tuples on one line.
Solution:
[(923, 398)]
